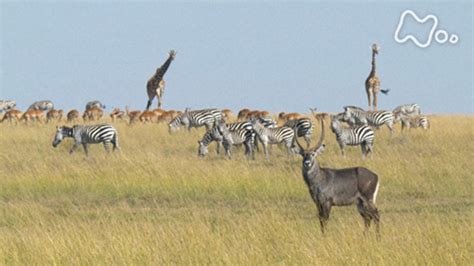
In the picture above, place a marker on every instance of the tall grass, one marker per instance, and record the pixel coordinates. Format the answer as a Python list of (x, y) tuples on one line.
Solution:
[(157, 202)]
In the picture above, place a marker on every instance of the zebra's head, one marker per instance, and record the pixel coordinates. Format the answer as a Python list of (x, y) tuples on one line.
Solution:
[(203, 151), (335, 122), (61, 132)]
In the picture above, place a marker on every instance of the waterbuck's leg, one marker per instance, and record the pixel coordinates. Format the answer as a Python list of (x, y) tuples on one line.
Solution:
[(74, 147)]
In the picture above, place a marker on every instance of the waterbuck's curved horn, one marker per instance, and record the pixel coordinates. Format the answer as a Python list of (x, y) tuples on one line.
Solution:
[(320, 142), (298, 142)]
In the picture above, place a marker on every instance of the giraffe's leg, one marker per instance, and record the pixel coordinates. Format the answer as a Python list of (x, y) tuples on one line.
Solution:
[(369, 96), (375, 101)]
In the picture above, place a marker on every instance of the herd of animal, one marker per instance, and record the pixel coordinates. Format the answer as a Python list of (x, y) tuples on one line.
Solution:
[(251, 128)]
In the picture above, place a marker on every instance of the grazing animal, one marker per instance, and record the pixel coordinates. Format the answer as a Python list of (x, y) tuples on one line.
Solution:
[(414, 122), (54, 115), (12, 115), (88, 134), (92, 114), (72, 116), (273, 136), (132, 115), (32, 115), (148, 116), (156, 84), (6, 105), (95, 103), (211, 135), (406, 110), (117, 114), (339, 187), (302, 126), (285, 117), (362, 135), (237, 136), (42, 105), (318, 116), (242, 115), (372, 83), (226, 114), (196, 118), (357, 116)]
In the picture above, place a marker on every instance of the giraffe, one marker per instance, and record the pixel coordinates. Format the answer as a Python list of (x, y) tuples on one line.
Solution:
[(156, 84), (372, 83)]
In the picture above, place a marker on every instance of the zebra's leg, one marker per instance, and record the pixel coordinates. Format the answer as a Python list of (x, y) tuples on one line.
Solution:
[(218, 147), (265, 150), (364, 150), (106, 146), (343, 153), (390, 127), (86, 151), (289, 145), (115, 143), (74, 147)]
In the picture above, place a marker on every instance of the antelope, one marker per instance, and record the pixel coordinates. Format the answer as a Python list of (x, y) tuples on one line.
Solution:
[(117, 113), (339, 187), (133, 115), (32, 115), (92, 114), (242, 115), (285, 117), (54, 114), (148, 116), (226, 114), (318, 116), (72, 116), (12, 115)]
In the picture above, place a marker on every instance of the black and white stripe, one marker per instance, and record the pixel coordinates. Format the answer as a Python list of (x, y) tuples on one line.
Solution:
[(415, 121), (197, 118), (408, 109), (356, 116), (361, 135), (274, 136), (88, 134), (211, 135), (95, 103), (235, 134), (303, 127), (42, 105)]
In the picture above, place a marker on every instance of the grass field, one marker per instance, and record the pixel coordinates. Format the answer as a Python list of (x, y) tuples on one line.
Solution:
[(157, 202)]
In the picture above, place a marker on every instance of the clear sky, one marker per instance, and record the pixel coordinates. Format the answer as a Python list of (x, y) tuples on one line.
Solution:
[(272, 56)]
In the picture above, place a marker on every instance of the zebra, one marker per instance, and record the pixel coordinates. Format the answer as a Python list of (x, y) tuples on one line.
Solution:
[(89, 134), (42, 105), (356, 116), (267, 121), (408, 109), (303, 127), (7, 105), (362, 135), (95, 103), (211, 135), (415, 121), (214, 135), (196, 118), (274, 136), (236, 136)]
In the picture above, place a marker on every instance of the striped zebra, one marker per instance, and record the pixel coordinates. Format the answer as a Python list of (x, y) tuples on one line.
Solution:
[(42, 105), (211, 135), (357, 116), (235, 135), (362, 135), (89, 134), (6, 105), (274, 136), (196, 118), (408, 109), (267, 121), (215, 135), (415, 121), (303, 127)]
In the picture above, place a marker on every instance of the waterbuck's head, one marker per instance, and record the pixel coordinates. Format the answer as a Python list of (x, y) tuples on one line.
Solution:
[(61, 132), (309, 155)]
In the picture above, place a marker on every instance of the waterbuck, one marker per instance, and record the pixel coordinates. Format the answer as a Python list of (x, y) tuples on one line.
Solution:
[(339, 187)]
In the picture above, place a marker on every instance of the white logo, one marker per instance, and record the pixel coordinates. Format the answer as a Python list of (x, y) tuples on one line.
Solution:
[(441, 36)]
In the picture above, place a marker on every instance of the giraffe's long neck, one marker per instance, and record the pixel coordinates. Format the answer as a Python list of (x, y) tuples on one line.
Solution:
[(160, 72), (372, 72)]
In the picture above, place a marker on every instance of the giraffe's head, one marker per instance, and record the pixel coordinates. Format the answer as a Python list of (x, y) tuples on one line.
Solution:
[(172, 54), (375, 48)]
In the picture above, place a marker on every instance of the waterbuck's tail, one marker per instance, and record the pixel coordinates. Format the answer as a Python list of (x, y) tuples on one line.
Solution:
[(385, 91)]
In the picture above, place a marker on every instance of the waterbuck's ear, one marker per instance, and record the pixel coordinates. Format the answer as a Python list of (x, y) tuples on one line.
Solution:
[(320, 150)]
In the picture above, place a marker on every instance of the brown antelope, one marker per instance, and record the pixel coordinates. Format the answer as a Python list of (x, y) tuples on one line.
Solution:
[(226, 114), (117, 114), (12, 115), (72, 116), (242, 115), (54, 115), (285, 117), (92, 114), (32, 115), (318, 116), (148, 116), (132, 115), (339, 187)]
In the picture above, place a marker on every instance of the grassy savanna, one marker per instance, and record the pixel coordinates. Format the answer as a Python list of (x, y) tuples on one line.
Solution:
[(157, 202)]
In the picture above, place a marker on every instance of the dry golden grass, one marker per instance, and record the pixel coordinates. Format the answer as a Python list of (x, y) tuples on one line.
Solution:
[(157, 202)]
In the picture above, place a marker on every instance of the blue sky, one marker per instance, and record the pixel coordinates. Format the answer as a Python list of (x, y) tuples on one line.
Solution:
[(272, 56)]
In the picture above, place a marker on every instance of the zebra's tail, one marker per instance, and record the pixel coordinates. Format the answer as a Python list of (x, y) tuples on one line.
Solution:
[(385, 91)]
